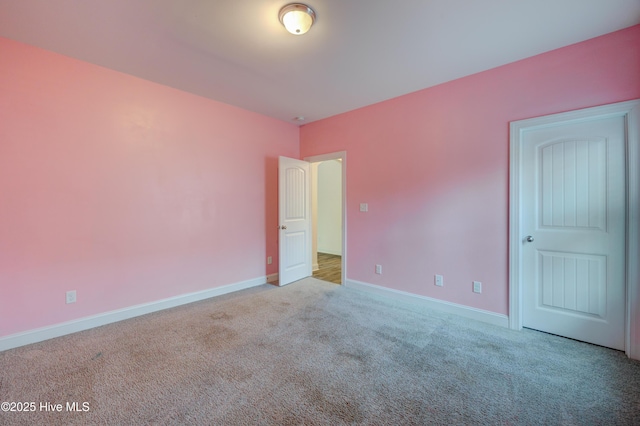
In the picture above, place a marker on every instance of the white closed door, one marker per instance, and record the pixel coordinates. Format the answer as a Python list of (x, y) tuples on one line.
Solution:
[(294, 212), (573, 230)]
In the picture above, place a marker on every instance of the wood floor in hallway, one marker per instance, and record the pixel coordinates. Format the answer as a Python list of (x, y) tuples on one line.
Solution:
[(330, 268)]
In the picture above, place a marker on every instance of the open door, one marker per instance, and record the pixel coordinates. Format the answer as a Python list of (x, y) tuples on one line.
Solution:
[(294, 214), (342, 157)]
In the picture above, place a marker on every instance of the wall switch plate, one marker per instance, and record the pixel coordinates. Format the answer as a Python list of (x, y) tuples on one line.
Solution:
[(438, 280), (477, 287), (71, 296), (269, 260), (364, 207), (379, 269)]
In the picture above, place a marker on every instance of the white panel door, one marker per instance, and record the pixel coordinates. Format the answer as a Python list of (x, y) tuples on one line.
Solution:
[(294, 212), (573, 230)]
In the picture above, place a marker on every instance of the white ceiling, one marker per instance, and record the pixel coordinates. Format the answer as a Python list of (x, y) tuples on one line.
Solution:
[(359, 51)]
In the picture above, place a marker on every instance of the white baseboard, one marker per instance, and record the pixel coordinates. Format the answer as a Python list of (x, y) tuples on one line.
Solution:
[(57, 330), (440, 305)]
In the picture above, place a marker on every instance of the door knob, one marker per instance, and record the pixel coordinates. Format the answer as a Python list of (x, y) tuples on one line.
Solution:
[(529, 239), (283, 227)]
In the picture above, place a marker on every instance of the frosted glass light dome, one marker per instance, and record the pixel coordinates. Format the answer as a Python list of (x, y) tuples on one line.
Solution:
[(297, 18)]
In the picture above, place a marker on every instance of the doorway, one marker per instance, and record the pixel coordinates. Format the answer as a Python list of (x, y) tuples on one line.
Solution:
[(328, 185), (573, 200)]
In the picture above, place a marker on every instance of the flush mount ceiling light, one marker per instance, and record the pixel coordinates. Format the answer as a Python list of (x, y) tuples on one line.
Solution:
[(297, 18)]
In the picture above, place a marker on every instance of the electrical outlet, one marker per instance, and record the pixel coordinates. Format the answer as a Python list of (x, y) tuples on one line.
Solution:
[(71, 296), (439, 280), (269, 260), (379, 269), (364, 207), (477, 287)]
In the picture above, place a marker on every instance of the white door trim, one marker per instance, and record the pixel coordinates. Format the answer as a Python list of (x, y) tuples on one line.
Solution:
[(340, 155), (630, 110)]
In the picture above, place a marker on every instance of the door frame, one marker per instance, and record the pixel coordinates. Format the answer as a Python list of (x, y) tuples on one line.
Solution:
[(630, 111), (340, 155)]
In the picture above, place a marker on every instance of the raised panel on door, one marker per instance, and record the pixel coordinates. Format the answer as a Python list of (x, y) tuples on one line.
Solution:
[(572, 183), (573, 283)]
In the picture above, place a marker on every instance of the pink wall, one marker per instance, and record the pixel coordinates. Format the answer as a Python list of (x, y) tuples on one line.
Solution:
[(434, 166), (130, 192), (125, 190)]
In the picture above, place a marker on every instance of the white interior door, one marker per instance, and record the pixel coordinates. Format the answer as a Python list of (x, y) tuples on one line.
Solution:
[(294, 212), (572, 230)]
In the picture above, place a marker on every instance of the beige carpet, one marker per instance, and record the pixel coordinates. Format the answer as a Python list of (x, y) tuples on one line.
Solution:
[(317, 353)]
